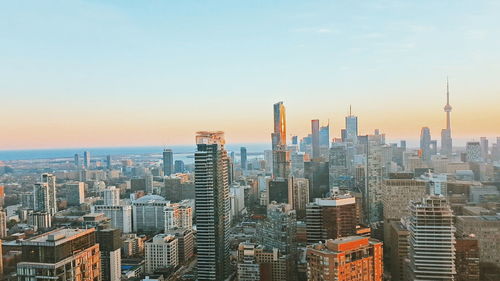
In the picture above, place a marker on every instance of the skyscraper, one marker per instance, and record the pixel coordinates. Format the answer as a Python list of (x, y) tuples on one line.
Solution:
[(281, 155), (396, 248), (324, 141), (168, 162), (351, 127), (50, 180), (279, 134), (484, 148), (317, 174), (108, 162), (298, 195), (278, 189), (76, 194), (315, 138), (446, 140), (331, 218), (473, 151), (372, 193), (77, 160), (86, 159), (279, 231), (243, 155), (434, 147), (396, 197), (42, 199), (281, 163), (338, 164), (425, 143), (432, 240), (179, 166), (110, 245), (212, 206)]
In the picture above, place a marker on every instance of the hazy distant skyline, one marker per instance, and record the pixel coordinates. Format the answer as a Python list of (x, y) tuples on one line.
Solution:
[(133, 73)]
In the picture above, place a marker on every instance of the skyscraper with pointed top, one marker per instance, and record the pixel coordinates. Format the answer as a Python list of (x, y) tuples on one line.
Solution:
[(279, 134), (351, 127), (446, 140), (281, 155)]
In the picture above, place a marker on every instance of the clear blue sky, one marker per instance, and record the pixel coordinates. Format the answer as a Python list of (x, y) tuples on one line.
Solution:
[(97, 73)]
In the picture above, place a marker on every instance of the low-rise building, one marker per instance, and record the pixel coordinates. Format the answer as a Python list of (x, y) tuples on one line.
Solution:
[(161, 252)]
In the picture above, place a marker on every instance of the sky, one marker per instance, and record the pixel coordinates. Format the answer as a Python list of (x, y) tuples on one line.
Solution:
[(94, 73)]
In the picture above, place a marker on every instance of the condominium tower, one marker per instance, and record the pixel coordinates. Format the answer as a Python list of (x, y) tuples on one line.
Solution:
[(432, 240), (212, 206)]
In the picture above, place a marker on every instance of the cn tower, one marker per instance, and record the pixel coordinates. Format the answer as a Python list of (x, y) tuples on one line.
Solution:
[(447, 107), (446, 140)]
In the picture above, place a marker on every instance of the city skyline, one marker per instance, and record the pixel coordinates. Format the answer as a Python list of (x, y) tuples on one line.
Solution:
[(250, 140), (121, 74)]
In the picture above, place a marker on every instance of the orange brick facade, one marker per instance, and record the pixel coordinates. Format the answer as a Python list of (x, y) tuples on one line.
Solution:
[(352, 258)]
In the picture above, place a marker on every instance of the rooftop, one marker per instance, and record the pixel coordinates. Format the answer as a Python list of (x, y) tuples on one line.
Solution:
[(344, 244), (150, 198), (210, 137), (58, 236)]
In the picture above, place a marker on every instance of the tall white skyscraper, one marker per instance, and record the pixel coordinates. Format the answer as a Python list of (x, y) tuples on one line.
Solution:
[(212, 206), (50, 180), (432, 240)]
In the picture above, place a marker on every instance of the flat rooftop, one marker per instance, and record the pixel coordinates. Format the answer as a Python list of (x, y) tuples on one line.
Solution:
[(57, 236)]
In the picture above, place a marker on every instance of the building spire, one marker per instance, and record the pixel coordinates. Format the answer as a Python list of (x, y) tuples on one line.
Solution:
[(350, 110), (447, 91)]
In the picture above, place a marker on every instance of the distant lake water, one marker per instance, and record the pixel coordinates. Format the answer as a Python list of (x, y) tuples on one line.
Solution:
[(180, 152)]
